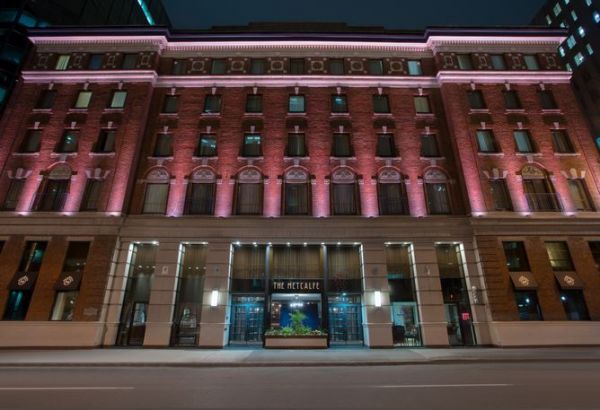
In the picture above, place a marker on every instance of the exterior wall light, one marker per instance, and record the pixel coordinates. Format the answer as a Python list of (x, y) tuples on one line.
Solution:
[(377, 297), (214, 298)]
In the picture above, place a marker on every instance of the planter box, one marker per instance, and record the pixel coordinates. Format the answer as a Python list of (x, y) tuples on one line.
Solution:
[(296, 342)]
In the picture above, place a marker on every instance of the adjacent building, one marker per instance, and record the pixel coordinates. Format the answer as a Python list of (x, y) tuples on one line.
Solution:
[(165, 188), (580, 50)]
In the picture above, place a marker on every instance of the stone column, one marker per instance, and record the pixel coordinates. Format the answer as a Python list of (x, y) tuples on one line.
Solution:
[(215, 320), (115, 292), (377, 326), (429, 296), (162, 295)]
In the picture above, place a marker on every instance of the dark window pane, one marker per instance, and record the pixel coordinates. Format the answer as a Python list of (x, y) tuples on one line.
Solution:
[(511, 100), (561, 142), (252, 145), (296, 103), (385, 145), (336, 67), (13, 194), (498, 62), (68, 142), (547, 100), (429, 146), (155, 199), (17, 305), (486, 141), (254, 103), (95, 62), (500, 195), (163, 147), (528, 305), (207, 146), (178, 67), (249, 199), (296, 198), (595, 249), (52, 196), (516, 257), (91, 195), (422, 105), (381, 104), (31, 142), (201, 199), (258, 66), (580, 195), (343, 199), (375, 67), (129, 61), (574, 304), (464, 62), (438, 201), (476, 101), (531, 62), (339, 103), (46, 99), (170, 104), (392, 199), (341, 145), (523, 142), (106, 141), (217, 67), (296, 145), (297, 66), (212, 104)]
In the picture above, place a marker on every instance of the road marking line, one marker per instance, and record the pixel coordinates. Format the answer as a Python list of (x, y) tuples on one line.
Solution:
[(429, 386), (64, 388)]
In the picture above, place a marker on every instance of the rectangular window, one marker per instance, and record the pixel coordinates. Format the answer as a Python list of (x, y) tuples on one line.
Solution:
[(523, 142), (170, 103), (129, 61), (91, 195), (476, 101), (163, 146), (17, 305), (249, 199), (392, 199), (178, 67), (83, 99), (252, 146), (429, 146), (339, 103), (511, 100), (258, 66), (422, 104), (68, 142), (381, 104), (296, 198), (561, 142), (528, 305), (580, 195), (595, 249), (344, 199), (336, 66), (342, 146), (62, 63), (500, 195), (531, 62), (212, 104), (385, 145), (438, 200), (486, 141), (155, 199), (64, 305), (254, 103), (464, 62), (45, 100), (207, 146), (95, 62), (201, 199), (559, 256), (11, 200), (217, 67), (574, 304), (375, 67), (296, 104), (296, 66), (516, 257), (118, 99), (52, 195), (547, 100), (31, 142), (296, 145), (498, 62), (414, 67), (106, 141)]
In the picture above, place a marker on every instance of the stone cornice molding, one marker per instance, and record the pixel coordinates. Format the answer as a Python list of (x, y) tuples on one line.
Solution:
[(108, 76), (99, 43), (495, 44), (502, 77)]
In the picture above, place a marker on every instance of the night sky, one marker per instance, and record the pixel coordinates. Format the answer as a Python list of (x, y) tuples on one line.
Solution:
[(393, 14)]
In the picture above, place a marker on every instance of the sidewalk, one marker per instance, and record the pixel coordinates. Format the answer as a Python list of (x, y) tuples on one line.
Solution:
[(237, 357)]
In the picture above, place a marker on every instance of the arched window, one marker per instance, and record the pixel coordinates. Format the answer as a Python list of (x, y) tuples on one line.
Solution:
[(437, 192), (296, 192), (249, 192), (539, 190), (201, 192), (54, 189), (344, 192), (391, 192), (157, 191)]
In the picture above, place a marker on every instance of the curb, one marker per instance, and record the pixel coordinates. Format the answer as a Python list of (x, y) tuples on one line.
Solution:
[(296, 364)]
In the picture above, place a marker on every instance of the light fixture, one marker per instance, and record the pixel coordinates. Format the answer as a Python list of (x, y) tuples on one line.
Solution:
[(377, 297), (214, 298)]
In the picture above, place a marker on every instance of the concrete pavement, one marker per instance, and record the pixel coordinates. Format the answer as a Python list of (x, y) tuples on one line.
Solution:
[(240, 357)]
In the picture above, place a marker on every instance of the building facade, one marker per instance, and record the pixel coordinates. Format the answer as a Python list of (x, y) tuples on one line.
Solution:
[(399, 189), (580, 49)]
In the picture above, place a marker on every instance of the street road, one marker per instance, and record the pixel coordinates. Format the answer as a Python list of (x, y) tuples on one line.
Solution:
[(480, 386)]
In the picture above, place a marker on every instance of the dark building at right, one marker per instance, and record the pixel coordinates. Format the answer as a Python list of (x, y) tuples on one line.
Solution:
[(580, 51)]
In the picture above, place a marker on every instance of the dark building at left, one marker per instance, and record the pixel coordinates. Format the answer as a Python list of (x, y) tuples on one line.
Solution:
[(16, 16)]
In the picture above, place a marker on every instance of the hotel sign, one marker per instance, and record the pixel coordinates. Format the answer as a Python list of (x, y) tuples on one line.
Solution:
[(296, 286)]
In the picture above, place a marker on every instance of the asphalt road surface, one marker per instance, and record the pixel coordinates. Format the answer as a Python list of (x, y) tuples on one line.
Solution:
[(556, 385)]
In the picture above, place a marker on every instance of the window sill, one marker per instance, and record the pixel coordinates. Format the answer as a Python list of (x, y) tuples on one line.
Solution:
[(432, 158), (340, 114), (567, 154), (490, 154), (169, 158), (60, 154), (552, 111), (393, 157), (113, 110), (197, 158), (425, 115), (526, 154), (78, 111), (291, 158), (333, 157), (479, 111), (296, 114), (102, 154), (42, 111), (210, 114), (168, 114), (247, 158), (26, 154), (514, 111), (253, 114), (382, 114)]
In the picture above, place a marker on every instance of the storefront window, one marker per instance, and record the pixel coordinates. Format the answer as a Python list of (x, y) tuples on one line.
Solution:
[(574, 304), (528, 305)]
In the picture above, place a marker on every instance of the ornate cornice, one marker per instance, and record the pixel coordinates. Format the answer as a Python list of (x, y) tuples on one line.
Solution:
[(99, 43), (502, 77), (495, 44)]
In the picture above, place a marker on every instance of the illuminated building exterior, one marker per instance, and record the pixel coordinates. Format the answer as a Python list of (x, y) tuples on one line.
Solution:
[(400, 189)]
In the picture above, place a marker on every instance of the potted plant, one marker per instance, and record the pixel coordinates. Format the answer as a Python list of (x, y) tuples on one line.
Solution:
[(296, 335)]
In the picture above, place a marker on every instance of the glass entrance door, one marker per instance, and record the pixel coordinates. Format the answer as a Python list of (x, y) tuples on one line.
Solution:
[(345, 319), (405, 324), (247, 319), (283, 305), (460, 325)]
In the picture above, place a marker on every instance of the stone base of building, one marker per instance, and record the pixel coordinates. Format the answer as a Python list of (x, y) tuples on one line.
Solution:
[(523, 334), (51, 334)]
